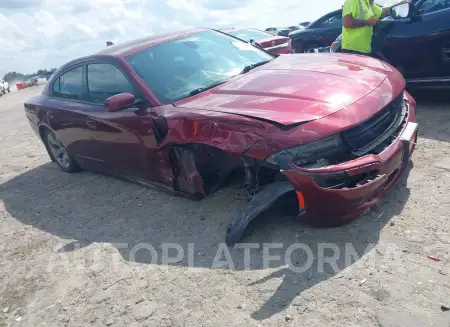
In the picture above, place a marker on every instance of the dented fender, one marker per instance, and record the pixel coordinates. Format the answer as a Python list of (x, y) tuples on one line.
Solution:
[(230, 133)]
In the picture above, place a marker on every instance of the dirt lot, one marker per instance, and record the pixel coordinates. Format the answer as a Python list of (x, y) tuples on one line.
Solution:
[(68, 248)]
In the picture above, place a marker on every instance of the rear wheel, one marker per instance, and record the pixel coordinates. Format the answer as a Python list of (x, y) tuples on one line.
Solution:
[(59, 154)]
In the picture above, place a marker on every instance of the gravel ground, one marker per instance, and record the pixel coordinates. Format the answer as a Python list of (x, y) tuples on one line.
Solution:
[(69, 248)]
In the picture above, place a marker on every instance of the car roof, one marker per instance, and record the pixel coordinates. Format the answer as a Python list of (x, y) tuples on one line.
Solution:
[(133, 46), (125, 49)]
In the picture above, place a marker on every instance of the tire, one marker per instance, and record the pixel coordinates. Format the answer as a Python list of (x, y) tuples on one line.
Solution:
[(9, 90), (58, 153)]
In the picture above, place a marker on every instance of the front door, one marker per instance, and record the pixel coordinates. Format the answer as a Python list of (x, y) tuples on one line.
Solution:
[(420, 47), (123, 141)]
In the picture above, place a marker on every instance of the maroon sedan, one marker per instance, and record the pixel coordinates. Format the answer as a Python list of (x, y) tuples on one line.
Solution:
[(181, 112), (267, 41)]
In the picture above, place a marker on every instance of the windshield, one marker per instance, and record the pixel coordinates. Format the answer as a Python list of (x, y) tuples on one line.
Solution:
[(174, 69), (248, 35)]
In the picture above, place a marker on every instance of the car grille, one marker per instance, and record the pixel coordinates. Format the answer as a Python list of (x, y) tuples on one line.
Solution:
[(368, 135)]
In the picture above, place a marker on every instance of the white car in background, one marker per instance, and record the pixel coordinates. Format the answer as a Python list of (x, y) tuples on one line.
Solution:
[(4, 87)]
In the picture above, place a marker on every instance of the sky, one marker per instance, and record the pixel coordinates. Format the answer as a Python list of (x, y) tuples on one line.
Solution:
[(38, 34)]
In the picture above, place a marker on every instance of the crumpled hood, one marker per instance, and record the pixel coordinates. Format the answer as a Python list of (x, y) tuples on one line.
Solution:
[(296, 88)]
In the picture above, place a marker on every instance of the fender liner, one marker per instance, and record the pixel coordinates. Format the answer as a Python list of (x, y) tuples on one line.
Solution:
[(260, 202)]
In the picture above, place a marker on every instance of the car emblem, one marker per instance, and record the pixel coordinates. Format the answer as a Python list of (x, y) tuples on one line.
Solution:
[(274, 43)]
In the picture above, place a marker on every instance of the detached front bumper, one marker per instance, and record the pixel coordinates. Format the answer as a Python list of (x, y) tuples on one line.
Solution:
[(334, 195), (372, 176)]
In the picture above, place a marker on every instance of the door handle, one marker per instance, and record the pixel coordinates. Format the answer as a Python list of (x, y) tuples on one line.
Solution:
[(91, 124)]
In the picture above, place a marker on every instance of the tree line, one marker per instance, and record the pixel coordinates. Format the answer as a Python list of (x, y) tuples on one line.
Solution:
[(17, 77)]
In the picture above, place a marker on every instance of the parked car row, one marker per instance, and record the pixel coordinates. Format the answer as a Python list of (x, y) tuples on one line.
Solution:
[(284, 31), (180, 112), (4, 87), (33, 81)]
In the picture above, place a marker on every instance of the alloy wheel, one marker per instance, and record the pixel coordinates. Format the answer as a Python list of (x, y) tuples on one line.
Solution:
[(58, 150)]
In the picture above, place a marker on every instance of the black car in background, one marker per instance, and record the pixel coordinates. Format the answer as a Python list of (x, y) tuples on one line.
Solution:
[(295, 28), (284, 32), (418, 45), (320, 33)]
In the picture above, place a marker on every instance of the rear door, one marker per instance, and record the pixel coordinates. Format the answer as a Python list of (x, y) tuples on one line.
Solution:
[(420, 47), (64, 113)]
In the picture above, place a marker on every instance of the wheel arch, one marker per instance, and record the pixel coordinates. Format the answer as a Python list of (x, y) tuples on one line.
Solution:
[(200, 169), (42, 128)]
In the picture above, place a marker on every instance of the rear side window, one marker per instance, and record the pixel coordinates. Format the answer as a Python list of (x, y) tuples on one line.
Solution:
[(69, 85), (333, 21), (106, 80)]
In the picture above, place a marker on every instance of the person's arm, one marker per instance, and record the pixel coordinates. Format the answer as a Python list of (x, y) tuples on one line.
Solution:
[(350, 22), (349, 11)]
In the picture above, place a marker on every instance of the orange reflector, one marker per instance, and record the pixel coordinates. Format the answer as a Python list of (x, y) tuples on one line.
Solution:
[(195, 127), (301, 200)]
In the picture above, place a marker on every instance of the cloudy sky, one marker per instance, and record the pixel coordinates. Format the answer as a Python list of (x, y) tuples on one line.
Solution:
[(47, 33)]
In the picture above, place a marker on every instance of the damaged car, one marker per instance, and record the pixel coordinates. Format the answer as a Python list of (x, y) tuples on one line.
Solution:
[(180, 112)]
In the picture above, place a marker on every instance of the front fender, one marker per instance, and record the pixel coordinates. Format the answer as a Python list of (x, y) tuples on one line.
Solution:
[(234, 136)]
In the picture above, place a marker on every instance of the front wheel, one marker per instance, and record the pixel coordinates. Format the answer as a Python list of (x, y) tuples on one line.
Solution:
[(59, 154), (9, 90)]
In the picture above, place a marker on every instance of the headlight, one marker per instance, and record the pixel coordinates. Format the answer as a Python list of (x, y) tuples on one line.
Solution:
[(308, 153)]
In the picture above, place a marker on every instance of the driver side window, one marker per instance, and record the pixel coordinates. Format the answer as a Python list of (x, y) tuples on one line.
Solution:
[(104, 81), (430, 6)]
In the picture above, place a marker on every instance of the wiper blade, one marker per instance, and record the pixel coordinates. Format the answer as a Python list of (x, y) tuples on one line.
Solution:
[(205, 88), (252, 66)]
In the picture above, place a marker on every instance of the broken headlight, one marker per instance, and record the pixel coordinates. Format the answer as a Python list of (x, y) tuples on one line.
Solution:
[(308, 153)]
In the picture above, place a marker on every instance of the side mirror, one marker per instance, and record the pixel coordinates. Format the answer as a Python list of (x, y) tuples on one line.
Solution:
[(119, 102), (403, 10)]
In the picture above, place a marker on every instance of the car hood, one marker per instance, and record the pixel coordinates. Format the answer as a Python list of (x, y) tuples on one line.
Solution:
[(295, 88)]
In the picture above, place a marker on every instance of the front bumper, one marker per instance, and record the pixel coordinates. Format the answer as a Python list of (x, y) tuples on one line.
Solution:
[(322, 206)]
